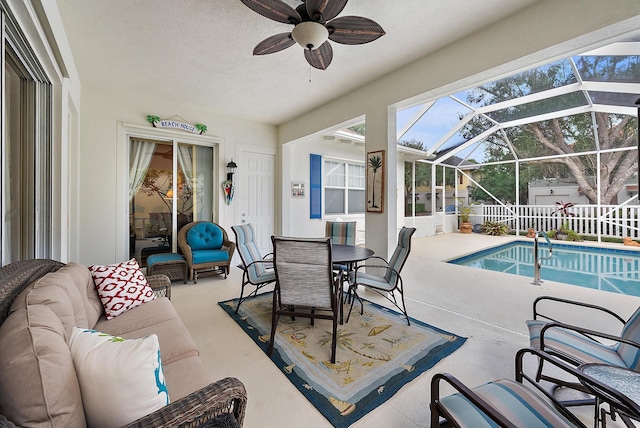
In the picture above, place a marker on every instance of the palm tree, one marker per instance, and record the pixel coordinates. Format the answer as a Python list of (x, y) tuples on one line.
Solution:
[(375, 162)]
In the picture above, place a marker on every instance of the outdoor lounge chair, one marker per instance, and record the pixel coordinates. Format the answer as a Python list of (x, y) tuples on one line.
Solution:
[(578, 345), (388, 281), (305, 283), (256, 270), (503, 403)]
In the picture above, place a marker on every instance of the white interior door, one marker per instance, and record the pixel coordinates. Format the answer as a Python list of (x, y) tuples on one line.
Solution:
[(258, 195)]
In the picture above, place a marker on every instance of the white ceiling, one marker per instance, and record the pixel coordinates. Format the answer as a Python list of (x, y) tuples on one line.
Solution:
[(199, 52)]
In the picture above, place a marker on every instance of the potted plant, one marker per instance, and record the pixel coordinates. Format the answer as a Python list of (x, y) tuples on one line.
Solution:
[(564, 233), (495, 228), (465, 213)]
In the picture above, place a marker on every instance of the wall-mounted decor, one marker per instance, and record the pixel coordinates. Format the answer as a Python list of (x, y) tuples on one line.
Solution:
[(375, 181), (229, 188), (297, 189), (181, 124)]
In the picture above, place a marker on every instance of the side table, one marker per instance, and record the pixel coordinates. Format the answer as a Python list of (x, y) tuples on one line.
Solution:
[(171, 264), (618, 386)]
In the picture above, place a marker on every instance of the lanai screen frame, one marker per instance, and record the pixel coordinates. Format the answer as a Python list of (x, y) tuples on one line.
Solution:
[(623, 99)]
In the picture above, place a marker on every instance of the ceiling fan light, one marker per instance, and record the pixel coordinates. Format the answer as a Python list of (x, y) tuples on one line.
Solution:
[(310, 35)]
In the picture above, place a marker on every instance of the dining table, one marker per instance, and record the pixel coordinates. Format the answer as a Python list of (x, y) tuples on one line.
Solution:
[(349, 256)]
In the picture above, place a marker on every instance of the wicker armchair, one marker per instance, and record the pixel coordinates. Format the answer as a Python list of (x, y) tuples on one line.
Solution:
[(210, 406), (206, 248)]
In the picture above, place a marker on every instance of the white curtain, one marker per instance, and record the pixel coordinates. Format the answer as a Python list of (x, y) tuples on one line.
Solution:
[(185, 159), (140, 154)]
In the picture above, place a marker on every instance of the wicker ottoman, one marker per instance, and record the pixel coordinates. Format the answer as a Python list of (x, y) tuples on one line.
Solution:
[(171, 264)]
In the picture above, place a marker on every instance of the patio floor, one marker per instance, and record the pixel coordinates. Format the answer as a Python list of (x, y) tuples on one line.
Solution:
[(490, 308)]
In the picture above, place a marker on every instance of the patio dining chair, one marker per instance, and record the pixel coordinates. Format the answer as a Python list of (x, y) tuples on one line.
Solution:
[(305, 283), (257, 270), (341, 232), (504, 403), (387, 280)]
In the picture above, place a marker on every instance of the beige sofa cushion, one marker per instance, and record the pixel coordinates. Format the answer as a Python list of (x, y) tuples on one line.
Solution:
[(70, 292), (156, 317), (38, 383)]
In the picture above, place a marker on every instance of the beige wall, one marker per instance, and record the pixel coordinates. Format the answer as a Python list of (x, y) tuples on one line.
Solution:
[(102, 220)]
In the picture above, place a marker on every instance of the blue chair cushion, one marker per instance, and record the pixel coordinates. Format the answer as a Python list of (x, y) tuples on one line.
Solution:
[(516, 402), (573, 344), (205, 236), (165, 257), (209, 256)]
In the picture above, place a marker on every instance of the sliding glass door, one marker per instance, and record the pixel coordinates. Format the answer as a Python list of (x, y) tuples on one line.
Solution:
[(26, 153), (170, 185)]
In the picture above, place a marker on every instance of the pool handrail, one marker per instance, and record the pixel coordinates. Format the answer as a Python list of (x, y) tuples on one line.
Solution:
[(537, 260)]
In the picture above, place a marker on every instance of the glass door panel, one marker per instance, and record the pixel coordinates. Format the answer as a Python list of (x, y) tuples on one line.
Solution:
[(170, 185)]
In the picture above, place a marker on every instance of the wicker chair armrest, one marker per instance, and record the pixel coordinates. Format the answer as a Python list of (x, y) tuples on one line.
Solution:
[(230, 247), (160, 284), (537, 314), (227, 395)]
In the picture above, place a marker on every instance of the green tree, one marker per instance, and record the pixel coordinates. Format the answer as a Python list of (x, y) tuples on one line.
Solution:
[(569, 135)]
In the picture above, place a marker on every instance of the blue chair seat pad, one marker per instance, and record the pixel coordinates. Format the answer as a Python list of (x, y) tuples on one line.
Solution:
[(209, 256), (162, 258), (573, 345), (372, 281), (518, 403)]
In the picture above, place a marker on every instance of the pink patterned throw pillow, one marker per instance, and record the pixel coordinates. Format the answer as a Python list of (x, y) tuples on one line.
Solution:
[(121, 287)]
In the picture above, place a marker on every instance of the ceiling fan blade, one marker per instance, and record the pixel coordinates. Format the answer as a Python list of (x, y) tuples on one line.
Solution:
[(319, 58), (354, 30), (274, 44), (274, 9), (324, 10)]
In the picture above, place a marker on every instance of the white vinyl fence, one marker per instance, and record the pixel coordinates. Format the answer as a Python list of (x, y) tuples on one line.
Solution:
[(607, 220)]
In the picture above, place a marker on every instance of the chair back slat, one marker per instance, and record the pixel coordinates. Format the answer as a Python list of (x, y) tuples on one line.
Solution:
[(400, 254), (249, 251), (341, 232), (304, 273), (631, 331)]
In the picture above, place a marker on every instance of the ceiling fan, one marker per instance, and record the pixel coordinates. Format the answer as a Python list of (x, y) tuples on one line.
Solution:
[(313, 23)]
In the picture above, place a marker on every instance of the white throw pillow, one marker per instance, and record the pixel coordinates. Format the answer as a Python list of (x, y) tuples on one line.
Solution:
[(121, 286), (121, 380)]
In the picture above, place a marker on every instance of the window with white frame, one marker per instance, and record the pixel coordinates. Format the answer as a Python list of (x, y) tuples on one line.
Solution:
[(344, 189)]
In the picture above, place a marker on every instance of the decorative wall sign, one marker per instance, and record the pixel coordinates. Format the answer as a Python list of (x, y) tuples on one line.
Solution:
[(297, 189), (181, 124), (375, 181), (228, 187)]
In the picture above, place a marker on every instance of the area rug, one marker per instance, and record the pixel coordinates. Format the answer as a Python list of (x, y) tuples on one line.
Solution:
[(377, 353)]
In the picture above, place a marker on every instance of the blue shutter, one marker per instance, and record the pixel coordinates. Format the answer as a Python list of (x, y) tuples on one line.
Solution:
[(315, 186)]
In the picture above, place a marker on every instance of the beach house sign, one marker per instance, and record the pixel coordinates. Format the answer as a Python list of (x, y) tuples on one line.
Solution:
[(182, 125)]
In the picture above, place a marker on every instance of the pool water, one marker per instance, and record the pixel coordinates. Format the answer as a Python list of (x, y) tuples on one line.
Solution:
[(613, 270)]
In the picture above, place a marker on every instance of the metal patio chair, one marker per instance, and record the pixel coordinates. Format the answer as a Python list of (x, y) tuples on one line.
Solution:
[(305, 283), (504, 403), (389, 281), (257, 270)]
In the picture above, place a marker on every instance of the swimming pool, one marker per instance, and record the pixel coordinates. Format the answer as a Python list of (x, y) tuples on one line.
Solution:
[(613, 270)]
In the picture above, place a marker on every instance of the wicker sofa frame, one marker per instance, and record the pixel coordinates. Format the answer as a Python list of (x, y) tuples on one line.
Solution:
[(210, 406)]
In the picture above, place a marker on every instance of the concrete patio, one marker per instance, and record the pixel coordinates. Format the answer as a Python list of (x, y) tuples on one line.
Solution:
[(490, 308)]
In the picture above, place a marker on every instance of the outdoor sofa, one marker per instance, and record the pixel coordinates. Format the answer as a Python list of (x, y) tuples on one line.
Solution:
[(42, 302)]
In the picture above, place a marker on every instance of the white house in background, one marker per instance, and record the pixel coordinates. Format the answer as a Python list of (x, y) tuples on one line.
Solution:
[(551, 190)]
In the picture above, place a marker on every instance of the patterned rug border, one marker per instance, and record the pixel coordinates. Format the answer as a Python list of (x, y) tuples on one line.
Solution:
[(376, 397)]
